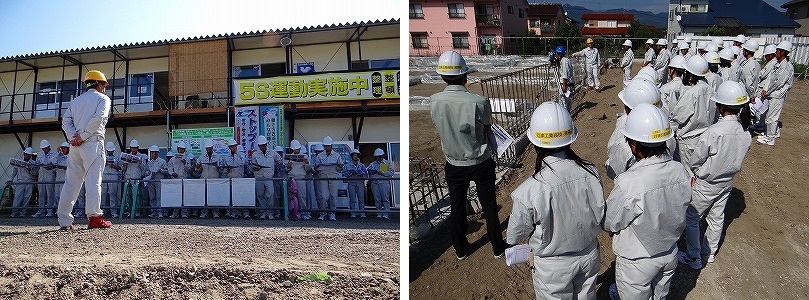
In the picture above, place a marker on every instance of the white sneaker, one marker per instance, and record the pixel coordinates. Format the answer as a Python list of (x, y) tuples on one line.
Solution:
[(765, 140), (50, 214), (711, 258), (332, 217), (322, 217), (695, 264)]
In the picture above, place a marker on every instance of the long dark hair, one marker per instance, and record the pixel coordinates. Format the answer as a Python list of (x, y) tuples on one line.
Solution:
[(542, 153), (742, 110)]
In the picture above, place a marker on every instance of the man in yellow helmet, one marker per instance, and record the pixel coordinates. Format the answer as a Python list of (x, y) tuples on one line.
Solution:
[(85, 122), (591, 61)]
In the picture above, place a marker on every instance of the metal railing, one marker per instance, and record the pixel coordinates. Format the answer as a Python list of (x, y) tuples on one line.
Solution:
[(427, 190), (609, 47)]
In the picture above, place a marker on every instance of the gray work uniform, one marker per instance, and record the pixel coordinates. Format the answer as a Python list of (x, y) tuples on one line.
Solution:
[(591, 61), (356, 188), (209, 171), (175, 165), (749, 70), (299, 171), (565, 71), (379, 187), (693, 114), (734, 70), (23, 180), (60, 161), (649, 56), (626, 63), (157, 168), (661, 66), (47, 196), (646, 211), (619, 156), (776, 92), (713, 80), (560, 208), (465, 111), (717, 158), (110, 189), (670, 92), (328, 166), (265, 189)]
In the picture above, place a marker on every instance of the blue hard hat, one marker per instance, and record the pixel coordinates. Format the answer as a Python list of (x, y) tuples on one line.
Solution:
[(560, 50)]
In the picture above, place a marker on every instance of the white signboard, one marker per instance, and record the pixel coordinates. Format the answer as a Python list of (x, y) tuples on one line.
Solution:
[(193, 192), (243, 191), (218, 191), (171, 193)]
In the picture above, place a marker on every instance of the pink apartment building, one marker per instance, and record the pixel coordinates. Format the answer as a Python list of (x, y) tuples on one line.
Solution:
[(469, 27)]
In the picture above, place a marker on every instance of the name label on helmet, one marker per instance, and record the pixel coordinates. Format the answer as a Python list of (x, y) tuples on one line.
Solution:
[(449, 67), (741, 99), (553, 135), (659, 134)]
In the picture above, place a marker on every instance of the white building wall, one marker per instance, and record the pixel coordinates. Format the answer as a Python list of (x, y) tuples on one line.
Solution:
[(326, 57), (258, 56), (380, 129), (379, 49)]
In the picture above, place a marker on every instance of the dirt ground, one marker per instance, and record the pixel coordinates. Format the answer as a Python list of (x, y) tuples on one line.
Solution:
[(199, 259), (764, 255)]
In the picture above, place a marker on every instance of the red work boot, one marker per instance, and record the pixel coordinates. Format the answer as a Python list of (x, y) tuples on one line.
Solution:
[(98, 222)]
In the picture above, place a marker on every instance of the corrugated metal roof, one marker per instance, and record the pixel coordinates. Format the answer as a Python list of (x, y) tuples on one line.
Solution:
[(202, 38), (749, 13)]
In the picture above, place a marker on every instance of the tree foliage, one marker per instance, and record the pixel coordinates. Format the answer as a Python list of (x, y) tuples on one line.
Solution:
[(638, 30), (568, 29)]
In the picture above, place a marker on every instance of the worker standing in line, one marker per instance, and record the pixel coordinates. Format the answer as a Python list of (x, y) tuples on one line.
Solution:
[(110, 189), (356, 188), (315, 184), (649, 56), (329, 164), (674, 48), (726, 66), (646, 209), (713, 78), (179, 167), (23, 179), (736, 63), (739, 40), (47, 174), (298, 167), (764, 78), (280, 172), (560, 209), (619, 156), (592, 60), (463, 121), (85, 122), (208, 166), (776, 92), (717, 158), (133, 173), (661, 63), (380, 169), (564, 77), (626, 61), (234, 164), (60, 162), (749, 68), (685, 50), (670, 92), (263, 164), (157, 169), (693, 112)]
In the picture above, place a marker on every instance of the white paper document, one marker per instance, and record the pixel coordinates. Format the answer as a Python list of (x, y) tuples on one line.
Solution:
[(760, 106), (502, 139), (519, 254)]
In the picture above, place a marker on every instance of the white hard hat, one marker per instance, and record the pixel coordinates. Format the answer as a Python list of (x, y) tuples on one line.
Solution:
[(643, 76), (726, 54), (154, 148), (770, 49), (730, 93), (697, 65), (110, 146), (451, 63), (29, 150), (65, 144), (740, 38), (674, 41), (712, 47), (208, 143), (169, 154), (379, 152), (727, 44), (44, 144), (688, 39), (662, 42), (327, 141), (639, 91), (303, 150), (650, 71), (647, 124), (294, 145), (279, 149), (627, 43), (319, 147), (736, 50), (134, 143), (261, 140), (701, 45), (751, 45), (650, 41), (712, 57), (551, 126), (677, 62), (190, 155), (785, 45), (240, 148), (682, 46), (716, 41), (356, 151), (182, 144), (232, 142)]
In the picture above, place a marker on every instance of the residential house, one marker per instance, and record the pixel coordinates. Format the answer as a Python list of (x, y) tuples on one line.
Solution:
[(469, 27), (755, 17), (606, 24), (798, 10), (544, 18)]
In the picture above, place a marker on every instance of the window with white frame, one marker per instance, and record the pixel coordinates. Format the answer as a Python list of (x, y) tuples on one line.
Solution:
[(456, 11), (419, 40), (460, 40)]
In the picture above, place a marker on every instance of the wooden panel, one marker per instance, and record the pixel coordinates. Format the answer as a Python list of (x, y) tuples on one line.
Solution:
[(198, 67)]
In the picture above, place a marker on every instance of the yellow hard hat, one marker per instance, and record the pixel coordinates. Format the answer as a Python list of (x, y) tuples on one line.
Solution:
[(589, 40), (95, 75)]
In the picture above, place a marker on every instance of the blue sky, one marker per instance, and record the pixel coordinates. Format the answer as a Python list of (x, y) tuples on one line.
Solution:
[(648, 5), (31, 26)]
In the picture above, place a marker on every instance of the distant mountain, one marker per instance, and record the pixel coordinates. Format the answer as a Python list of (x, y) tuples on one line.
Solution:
[(645, 17)]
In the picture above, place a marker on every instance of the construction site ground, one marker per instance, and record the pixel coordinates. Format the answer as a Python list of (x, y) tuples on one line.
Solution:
[(200, 259), (764, 253)]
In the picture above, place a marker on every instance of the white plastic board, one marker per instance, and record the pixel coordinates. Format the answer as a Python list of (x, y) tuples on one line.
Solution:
[(243, 191), (218, 191), (171, 192), (194, 192)]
